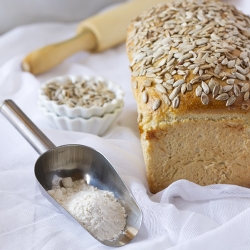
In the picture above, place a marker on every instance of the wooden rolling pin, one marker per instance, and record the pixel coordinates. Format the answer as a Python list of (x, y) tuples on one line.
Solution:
[(95, 34)]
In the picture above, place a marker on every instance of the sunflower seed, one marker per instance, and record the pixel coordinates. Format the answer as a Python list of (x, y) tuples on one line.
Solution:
[(135, 84), (144, 97), (198, 91), (176, 102), (178, 82), (227, 88), (240, 76), (195, 80), (217, 69), (184, 57), (170, 81), (168, 76), (246, 96), (201, 71), (193, 66), (228, 75), (201, 41), (216, 90), (205, 77), (160, 88), (230, 81), (231, 100), (236, 90), (167, 86), (162, 62), (189, 86), (211, 85), (183, 88), (166, 100), (243, 55), (241, 70), (196, 70), (238, 61), (147, 83), (204, 98), (222, 97), (158, 80), (178, 55), (245, 88), (171, 62), (174, 93), (224, 62), (170, 55), (205, 87), (231, 64), (156, 104), (206, 66)]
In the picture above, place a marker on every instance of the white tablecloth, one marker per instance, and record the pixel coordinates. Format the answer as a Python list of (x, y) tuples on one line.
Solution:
[(183, 216)]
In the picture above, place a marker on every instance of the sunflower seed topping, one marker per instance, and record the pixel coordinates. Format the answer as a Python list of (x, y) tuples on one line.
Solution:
[(176, 102), (198, 91), (227, 88), (246, 96), (204, 98), (216, 90), (160, 88), (240, 76), (189, 43), (174, 93), (156, 104), (147, 83), (243, 55), (217, 69), (231, 100), (205, 87), (224, 62), (222, 97), (231, 64), (178, 82), (245, 87), (230, 81), (135, 84), (144, 96), (166, 100), (183, 88), (236, 90)]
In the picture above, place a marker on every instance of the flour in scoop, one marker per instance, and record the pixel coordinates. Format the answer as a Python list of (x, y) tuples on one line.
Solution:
[(97, 210)]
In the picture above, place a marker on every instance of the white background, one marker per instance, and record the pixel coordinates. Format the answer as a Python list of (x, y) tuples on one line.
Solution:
[(183, 216)]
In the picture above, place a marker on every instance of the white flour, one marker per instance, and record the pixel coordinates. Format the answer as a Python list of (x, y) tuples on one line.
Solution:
[(97, 210)]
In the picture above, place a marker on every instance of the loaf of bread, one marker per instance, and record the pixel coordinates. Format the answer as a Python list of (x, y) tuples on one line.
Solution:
[(190, 77)]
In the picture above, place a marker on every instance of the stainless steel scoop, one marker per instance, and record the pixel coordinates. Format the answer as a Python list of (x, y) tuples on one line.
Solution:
[(78, 162)]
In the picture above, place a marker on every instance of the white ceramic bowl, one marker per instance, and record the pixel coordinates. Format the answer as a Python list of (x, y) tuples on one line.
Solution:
[(79, 111), (94, 125)]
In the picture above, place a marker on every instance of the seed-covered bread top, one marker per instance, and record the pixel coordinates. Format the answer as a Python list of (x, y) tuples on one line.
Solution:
[(190, 57)]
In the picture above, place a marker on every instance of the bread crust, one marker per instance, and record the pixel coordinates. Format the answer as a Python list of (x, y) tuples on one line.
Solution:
[(192, 123)]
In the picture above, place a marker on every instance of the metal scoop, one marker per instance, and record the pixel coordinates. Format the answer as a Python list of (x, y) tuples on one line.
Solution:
[(77, 162)]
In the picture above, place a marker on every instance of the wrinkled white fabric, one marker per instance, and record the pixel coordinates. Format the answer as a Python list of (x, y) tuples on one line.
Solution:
[(183, 216)]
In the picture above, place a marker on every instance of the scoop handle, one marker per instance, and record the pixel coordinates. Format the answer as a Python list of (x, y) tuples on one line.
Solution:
[(37, 139)]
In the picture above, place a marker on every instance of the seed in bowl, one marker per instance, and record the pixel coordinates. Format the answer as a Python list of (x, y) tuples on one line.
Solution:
[(80, 92)]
